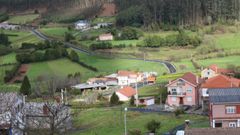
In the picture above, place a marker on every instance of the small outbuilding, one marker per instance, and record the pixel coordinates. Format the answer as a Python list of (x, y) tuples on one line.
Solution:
[(105, 37), (146, 101), (126, 93)]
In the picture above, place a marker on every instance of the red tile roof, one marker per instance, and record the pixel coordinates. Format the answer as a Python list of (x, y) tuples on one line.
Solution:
[(215, 68), (221, 81), (127, 91), (126, 73), (191, 78)]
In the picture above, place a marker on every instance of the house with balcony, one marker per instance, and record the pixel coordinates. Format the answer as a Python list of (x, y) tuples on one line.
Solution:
[(219, 81), (184, 90), (224, 107)]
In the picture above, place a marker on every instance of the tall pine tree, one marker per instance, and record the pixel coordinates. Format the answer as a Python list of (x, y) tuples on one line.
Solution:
[(26, 87)]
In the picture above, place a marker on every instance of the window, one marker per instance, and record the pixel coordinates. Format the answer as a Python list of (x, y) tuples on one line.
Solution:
[(232, 124), (189, 90), (174, 91), (174, 99), (231, 109), (189, 99), (208, 73)]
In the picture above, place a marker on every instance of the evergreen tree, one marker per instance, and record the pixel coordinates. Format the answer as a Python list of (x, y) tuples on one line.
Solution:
[(114, 100), (74, 56), (131, 102), (26, 86)]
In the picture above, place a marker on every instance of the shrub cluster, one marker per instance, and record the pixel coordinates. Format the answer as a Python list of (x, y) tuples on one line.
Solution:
[(36, 56), (101, 45), (9, 74), (181, 39), (73, 56)]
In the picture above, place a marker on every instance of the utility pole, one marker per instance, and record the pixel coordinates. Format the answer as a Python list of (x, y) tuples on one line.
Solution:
[(125, 120), (136, 94)]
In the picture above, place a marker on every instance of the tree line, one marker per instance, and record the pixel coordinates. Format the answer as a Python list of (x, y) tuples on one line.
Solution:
[(176, 12)]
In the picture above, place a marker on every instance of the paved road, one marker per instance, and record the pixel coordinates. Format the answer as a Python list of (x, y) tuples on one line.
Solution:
[(171, 68)]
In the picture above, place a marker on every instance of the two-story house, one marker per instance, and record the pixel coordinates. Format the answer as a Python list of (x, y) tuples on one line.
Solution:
[(214, 70), (219, 81), (184, 90), (126, 78), (224, 107)]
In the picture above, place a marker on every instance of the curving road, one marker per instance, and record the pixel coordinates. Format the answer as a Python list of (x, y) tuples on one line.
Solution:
[(171, 68)]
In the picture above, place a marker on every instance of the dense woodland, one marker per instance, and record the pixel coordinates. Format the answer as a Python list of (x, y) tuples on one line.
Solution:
[(176, 12), (13, 5)]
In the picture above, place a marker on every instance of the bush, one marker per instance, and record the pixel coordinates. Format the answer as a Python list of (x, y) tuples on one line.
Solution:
[(9, 74), (153, 126), (131, 102), (101, 45), (129, 33), (4, 50), (114, 100), (178, 112), (134, 132)]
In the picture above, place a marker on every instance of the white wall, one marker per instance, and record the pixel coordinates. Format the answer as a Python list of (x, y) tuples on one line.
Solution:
[(122, 97)]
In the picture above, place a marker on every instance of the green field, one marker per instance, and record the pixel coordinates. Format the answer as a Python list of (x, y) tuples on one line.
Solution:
[(61, 68), (56, 32), (108, 66), (23, 19), (222, 62), (103, 20), (110, 121), (18, 37), (228, 41), (6, 59)]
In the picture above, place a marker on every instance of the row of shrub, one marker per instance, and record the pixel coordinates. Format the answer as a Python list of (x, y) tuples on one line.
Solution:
[(9, 74), (181, 39), (40, 45), (73, 56), (4, 50), (36, 56)]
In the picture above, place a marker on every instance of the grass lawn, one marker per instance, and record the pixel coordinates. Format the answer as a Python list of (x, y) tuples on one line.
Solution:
[(103, 20), (184, 65), (9, 58), (110, 121), (109, 66), (23, 19), (56, 32), (125, 42), (18, 37), (61, 68), (151, 90), (228, 40), (221, 62)]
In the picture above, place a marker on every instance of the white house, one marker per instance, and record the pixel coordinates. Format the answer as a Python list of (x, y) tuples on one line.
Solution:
[(213, 70), (126, 93), (146, 101), (128, 77), (82, 25)]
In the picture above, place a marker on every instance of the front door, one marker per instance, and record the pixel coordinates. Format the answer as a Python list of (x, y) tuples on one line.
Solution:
[(181, 101), (218, 125)]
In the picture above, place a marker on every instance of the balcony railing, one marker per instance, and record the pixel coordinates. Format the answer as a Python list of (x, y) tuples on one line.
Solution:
[(177, 93)]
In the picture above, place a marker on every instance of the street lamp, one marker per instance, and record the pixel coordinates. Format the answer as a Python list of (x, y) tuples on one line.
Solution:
[(125, 119)]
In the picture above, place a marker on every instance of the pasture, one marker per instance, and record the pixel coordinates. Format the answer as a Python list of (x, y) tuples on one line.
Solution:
[(107, 121), (17, 37), (23, 19)]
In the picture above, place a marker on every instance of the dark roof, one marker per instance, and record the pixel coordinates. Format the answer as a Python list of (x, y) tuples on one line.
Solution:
[(212, 131), (224, 95)]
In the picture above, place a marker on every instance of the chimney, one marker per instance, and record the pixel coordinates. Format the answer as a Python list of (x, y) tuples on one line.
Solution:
[(169, 81)]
